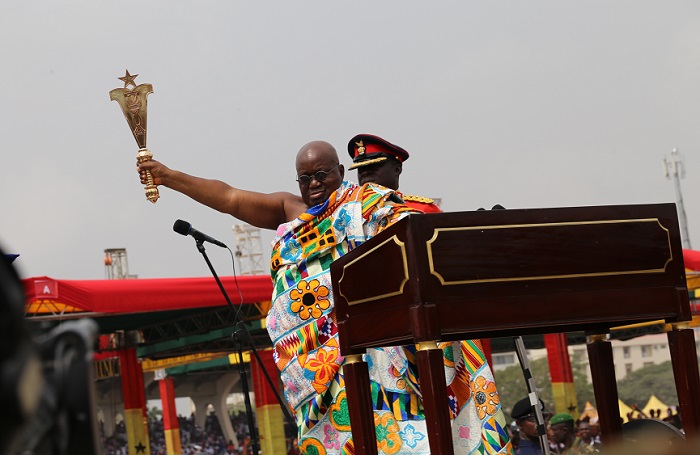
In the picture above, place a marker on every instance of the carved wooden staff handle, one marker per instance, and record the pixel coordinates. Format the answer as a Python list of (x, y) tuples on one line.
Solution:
[(151, 188)]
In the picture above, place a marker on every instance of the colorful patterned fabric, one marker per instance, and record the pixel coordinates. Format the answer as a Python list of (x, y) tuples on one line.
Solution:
[(302, 326)]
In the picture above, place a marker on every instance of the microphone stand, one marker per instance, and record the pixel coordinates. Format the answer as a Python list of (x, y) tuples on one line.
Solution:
[(241, 327)]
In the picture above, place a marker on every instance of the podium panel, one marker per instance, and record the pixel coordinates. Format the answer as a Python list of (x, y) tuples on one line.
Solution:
[(478, 274)]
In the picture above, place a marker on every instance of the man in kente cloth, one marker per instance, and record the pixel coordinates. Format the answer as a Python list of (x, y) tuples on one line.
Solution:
[(329, 218)]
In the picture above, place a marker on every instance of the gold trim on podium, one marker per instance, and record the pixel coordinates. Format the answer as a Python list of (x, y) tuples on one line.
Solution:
[(399, 291), (444, 282)]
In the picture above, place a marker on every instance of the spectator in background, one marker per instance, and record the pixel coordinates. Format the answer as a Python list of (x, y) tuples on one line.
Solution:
[(673, 418), (563, 435), (524, 417), (595, 431), (514, 433), (586, 435)]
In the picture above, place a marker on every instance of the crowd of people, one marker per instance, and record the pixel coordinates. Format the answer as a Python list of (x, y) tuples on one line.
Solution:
[(569, 436), (194, 440), (672, 416), (565, 434)]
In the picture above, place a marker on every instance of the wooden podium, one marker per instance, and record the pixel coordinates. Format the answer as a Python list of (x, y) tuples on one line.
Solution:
[(453, 276)]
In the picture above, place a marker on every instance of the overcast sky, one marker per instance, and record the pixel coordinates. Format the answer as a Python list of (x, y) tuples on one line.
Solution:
[(525, 104)]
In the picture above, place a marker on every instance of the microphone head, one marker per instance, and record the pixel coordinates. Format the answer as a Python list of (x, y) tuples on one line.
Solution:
[(182, 227)]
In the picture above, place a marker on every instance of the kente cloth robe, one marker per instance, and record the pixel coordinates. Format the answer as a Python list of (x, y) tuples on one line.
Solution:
[(302, 326)]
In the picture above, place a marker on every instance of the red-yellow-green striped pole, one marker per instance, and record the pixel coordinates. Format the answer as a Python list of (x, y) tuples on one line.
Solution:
[(560, 371), (135, 416), (270, 418), (171, 426)]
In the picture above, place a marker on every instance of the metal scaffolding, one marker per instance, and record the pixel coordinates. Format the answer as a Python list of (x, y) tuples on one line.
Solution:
[(249, 250), (116, 264)]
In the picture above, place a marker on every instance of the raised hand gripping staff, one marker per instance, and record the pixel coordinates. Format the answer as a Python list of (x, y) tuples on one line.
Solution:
[(133, 104)]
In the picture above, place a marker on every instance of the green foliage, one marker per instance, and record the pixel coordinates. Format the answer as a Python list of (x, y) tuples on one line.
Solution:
[(512, 387), (639, 385), (635, 388), (584, 389)]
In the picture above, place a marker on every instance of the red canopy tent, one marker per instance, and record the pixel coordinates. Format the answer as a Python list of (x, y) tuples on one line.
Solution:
[(691, 258), (143, 295)]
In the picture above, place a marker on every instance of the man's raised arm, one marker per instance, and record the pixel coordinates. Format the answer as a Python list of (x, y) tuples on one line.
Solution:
[(258, 209)]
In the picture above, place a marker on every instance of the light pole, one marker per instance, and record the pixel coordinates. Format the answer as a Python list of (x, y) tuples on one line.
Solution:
[(674, 170)]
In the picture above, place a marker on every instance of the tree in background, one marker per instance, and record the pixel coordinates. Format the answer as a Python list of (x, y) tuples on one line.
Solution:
[(635, 389), (584, 389), (639, 385), (512, 386)]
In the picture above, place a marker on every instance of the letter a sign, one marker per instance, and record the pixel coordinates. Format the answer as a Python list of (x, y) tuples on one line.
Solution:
[(46, 289)]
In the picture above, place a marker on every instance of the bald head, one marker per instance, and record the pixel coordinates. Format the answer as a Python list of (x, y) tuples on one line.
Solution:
[(314, 157), (317, 150)]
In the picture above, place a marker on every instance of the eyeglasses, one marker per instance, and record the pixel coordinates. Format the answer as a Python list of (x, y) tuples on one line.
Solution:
[(319, 176)]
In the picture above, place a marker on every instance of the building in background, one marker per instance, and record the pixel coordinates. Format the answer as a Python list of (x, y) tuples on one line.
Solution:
[(630, 355)]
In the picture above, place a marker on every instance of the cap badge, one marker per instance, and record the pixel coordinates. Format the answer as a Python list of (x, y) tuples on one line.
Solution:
[(360, 148)]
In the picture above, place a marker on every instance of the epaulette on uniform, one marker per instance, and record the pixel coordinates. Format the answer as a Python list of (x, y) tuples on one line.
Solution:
[(421, 199), (421, 203)]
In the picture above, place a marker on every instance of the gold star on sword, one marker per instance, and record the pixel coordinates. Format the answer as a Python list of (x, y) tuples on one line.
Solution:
[(128, 79)]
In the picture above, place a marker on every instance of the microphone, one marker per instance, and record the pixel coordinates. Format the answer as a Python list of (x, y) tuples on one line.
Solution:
[(185, 228)]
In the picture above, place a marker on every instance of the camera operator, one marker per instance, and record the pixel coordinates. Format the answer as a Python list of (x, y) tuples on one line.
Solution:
[(46, 385)]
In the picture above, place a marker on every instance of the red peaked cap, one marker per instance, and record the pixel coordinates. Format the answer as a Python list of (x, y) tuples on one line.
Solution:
[(365, 149)]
